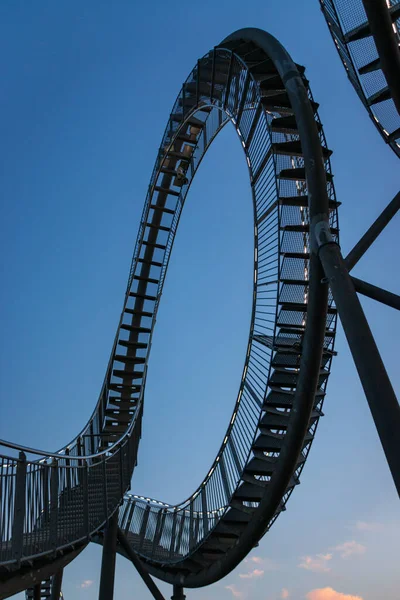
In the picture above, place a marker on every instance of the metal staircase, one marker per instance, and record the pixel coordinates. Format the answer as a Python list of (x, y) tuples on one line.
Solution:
[(355, 40)]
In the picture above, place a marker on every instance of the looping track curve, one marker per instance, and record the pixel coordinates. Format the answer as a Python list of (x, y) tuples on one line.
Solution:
[(251, 81), (197, 541)]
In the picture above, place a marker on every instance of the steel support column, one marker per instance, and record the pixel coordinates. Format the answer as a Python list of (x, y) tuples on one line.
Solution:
[(378, 389), (139, 567), (37, 591), (56, 585), (106, 591), (376, 293), (178, 593), (373, 232)]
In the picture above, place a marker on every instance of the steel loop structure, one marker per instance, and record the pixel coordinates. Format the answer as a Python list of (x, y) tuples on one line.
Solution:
[(53, 504), (367, 37)]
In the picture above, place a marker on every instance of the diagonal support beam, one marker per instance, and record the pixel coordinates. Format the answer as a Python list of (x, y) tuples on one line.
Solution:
[(376, 293), (133, 557), (378, 389), (373, 232)]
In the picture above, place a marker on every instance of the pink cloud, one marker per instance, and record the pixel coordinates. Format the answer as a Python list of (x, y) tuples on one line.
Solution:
[(284, 593), (365, 526), (235, 592), (257, 559), (85, 584), (349, 548), (329, 594), (254, 573), (317, 563)]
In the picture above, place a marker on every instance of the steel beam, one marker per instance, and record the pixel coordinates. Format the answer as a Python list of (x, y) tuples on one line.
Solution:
[(373, 232), (378, 389), (376, 293), (56, 585), (138, 565), (178, 593), (107, 576)]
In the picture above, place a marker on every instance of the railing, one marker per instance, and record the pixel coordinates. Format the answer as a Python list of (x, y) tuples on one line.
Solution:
[(50, 504)]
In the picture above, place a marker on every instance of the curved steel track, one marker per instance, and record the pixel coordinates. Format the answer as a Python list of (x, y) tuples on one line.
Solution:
[(66, 497), (357, 41)]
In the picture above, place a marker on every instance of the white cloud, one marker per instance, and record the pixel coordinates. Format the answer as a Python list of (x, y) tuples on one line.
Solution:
[(365, 526), (284, 593), (317, 563), (85, 584), (349, 548), (254, 573), (235, 592), (257, 559), (329, 594)]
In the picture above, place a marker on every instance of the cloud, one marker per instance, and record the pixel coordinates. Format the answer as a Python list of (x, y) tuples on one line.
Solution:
[(365, 526), (267, 563), (329, 594), (85, 584), (284, 593), (349, 548), (235, 592), (257, 559), (254, 573), (318, 563)]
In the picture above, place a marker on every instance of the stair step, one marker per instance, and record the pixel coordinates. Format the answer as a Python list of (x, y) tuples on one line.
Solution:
[(363, 30), (298, 174), (179, 155), (269, 442), (263, 68), (300, 306), (279, 399), (279, 102), (158, 227), (132, 344), (152, 263), (272, 82), (136, 328), (294, 148), (163, 190), (143, 296), (128, 374), (193, 121), (167, 171), (138, 360), (138, 313), (168, 211), (147, 279), (302, 201), (250, 492), (374, 65), (154, 245), (381, 96), (288, 124)]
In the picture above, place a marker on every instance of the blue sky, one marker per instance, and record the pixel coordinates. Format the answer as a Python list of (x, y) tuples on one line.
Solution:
[(86, 91)]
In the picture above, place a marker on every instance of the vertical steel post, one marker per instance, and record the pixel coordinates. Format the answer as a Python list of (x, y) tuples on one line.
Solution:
[(54, 503), (378, 389), (107, 576), (37, 591), (178, 593), (17, 535), (56, 585)]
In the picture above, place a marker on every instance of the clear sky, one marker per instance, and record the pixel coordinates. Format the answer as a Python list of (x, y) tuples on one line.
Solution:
[(86, 89)]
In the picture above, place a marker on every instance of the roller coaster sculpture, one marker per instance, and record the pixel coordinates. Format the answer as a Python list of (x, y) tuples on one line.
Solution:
[(54, 504)]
